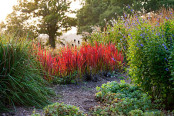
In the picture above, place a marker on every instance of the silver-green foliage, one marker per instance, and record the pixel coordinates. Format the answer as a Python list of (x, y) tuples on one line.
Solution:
[(61, 109), (121, 98)]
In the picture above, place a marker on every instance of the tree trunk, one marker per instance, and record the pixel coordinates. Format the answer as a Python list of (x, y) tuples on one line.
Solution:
[(52, 41)]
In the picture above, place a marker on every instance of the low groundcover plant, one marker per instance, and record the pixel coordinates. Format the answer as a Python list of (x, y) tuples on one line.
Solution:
[(120, 98)]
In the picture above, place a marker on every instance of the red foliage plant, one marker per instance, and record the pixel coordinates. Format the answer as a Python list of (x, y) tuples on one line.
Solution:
[(87, 58)]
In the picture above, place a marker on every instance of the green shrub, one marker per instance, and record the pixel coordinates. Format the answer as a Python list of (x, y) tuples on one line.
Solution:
[(120, 99), (35, 114), (153, 113), (136, 113), (146, 113), (151, 60), (20, 81), (61, 109)]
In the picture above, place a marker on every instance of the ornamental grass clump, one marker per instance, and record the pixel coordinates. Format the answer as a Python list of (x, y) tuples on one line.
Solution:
[(75, 62), (20, 80)]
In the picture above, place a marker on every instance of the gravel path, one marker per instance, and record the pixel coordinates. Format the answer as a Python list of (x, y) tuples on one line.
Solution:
[(81, 95)]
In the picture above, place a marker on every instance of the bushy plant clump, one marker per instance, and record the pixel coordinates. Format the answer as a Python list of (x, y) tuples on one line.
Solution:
[(151, 60), (136, 112), (74, 62), (147, 113), (120, 99), (61, 109), (20, 81), (148, 44)]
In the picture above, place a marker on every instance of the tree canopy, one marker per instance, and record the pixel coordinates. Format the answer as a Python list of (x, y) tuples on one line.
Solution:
[(154, 5), (16, 24), (100, 12), (50, 17)]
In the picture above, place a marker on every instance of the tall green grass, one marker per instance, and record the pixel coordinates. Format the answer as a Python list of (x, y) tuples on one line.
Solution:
[(20, 80)]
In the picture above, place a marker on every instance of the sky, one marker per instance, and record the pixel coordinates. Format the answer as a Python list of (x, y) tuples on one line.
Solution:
[(6, 7)]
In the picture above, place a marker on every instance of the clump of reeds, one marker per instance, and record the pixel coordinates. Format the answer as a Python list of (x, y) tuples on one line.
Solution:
[(20, 80)]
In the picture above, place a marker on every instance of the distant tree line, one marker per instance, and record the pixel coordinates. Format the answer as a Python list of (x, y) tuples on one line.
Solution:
[(100, 12)]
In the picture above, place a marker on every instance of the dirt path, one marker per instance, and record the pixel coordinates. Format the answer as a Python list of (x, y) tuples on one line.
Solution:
[(81, 95)]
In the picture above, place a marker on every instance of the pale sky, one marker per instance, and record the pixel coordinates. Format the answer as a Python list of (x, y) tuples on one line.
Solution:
[(6, 7)]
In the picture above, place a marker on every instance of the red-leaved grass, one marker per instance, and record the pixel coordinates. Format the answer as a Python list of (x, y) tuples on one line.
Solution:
[(86, 59)]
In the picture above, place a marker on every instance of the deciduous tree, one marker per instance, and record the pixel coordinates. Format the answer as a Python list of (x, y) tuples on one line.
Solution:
[(100, 12), (51, 17)]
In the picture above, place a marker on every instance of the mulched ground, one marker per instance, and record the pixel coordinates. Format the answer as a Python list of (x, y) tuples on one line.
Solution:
[(81, 95)]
